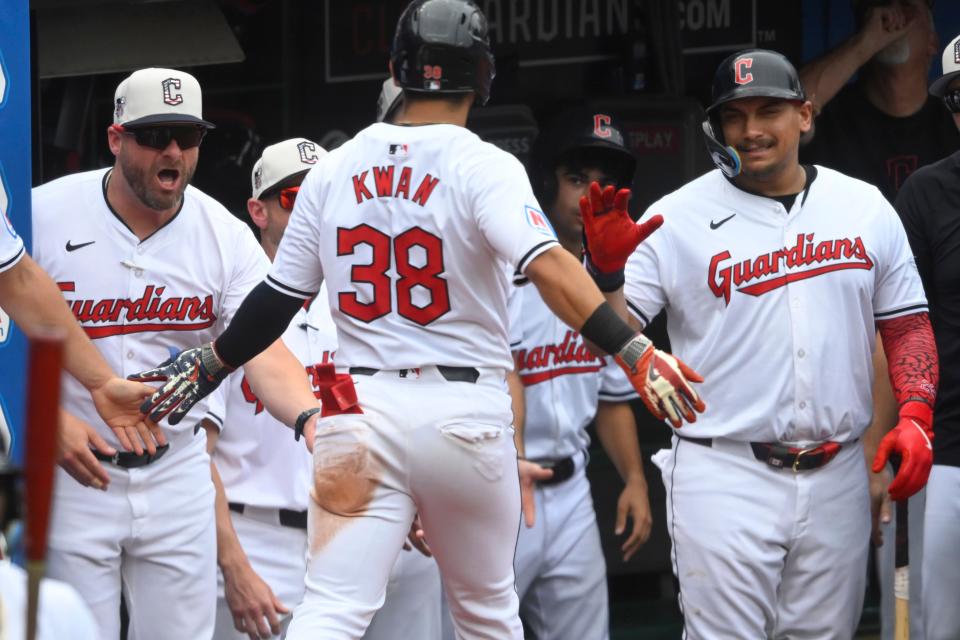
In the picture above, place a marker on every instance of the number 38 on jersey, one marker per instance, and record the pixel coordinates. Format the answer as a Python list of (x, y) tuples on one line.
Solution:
[(419, 290)]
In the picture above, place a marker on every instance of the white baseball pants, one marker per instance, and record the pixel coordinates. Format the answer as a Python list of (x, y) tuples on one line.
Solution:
[(561, 572), (278, 555), (761, 552), (423, 445), (153, 531)]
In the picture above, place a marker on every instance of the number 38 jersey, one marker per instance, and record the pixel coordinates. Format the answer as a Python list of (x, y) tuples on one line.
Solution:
[(775, 308), (409, 227)]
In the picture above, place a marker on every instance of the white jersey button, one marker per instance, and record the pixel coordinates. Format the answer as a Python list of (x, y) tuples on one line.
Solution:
[(129, 355), (138, 272), (803, 404), (801, 353)]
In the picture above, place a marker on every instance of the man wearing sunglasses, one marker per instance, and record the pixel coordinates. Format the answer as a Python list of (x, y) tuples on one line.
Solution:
[(929, 205), (148, 265)]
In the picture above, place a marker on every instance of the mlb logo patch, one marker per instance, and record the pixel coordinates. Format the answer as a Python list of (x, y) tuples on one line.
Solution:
[(538, 220), (398, 150)]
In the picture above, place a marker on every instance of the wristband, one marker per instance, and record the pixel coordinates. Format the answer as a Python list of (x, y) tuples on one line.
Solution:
[(302, 421), (606, 329), (919, 410)]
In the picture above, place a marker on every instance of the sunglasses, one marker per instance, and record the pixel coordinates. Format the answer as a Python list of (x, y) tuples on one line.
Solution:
[(288, 197), (952, 100), (187, 136)]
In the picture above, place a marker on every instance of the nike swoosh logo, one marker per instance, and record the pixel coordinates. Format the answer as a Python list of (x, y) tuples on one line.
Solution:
[(716, 225), (74, 247)]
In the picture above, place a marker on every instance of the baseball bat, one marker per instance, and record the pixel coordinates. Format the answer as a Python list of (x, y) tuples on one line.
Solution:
[(45, 362), (901, 573)]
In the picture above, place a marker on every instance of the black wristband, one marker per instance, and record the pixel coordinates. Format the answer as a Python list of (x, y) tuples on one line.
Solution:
[(302, 421), (606, 329), (605, 281)]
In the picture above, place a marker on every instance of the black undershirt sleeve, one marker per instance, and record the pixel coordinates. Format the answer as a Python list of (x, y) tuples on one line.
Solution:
[(263, 316)]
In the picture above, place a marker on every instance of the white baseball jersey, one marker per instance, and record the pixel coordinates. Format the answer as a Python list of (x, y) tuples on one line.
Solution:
[(777, 308), (562, 380), (405, 224), (11, 245), (257, 457), (139, 300)]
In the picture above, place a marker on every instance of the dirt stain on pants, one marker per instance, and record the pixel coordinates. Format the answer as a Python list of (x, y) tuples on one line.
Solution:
[(345, 476)]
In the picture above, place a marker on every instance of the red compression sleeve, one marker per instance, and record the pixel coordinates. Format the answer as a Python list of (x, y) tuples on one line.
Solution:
[(911, 358)]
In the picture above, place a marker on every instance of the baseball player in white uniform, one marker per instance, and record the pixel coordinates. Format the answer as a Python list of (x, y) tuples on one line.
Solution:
[(409, 225), (774, 278), (266, 475), (147, 264), (561, 572)]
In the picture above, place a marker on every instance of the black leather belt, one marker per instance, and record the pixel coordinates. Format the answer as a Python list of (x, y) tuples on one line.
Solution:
[(781, 456), (450, 374), (130, 460), (288, 517), (562, 470)]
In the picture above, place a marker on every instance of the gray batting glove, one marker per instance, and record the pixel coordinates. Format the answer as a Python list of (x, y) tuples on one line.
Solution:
[(188, 377)]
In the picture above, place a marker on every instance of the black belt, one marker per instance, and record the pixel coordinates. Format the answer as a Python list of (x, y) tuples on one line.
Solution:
[(562, 470), (780, 456), (288, 517), (450, 374), (130, 460)]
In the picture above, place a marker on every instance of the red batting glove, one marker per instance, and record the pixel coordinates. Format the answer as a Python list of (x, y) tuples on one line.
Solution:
[(911, 438), (610, 234), (662, 380)]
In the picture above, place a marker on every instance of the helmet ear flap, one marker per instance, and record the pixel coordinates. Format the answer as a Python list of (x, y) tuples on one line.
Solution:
[(723, 155)]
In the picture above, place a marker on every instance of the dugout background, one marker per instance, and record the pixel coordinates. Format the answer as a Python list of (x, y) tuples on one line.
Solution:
[(273, 69)]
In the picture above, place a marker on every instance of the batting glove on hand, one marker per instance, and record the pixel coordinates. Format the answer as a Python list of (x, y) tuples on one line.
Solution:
[(911, 438), (610, 235), (188, 377), (662, 380)]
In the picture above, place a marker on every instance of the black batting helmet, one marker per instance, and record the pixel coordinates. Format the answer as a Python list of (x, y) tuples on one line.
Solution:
[(443, 46), (584, 137), (754, 73)]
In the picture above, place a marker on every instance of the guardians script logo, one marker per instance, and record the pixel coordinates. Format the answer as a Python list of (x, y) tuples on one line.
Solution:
[(753, 276), (549, 361), (150, 312)]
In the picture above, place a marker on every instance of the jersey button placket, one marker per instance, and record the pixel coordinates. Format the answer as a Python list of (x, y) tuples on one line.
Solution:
[(135, 289), (802, 369)]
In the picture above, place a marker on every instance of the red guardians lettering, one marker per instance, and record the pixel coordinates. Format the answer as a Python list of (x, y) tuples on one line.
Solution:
[(150, 312), (751, 276), (388, 183), (545, 362)]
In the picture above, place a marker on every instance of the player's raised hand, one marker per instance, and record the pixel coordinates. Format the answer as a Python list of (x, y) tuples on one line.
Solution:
[(662, 380), (188, 377), (912, 440), (610, 234), (530, 474)]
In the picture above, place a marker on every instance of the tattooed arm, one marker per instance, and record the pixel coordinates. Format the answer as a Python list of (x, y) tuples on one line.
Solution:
[(913, 366)]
